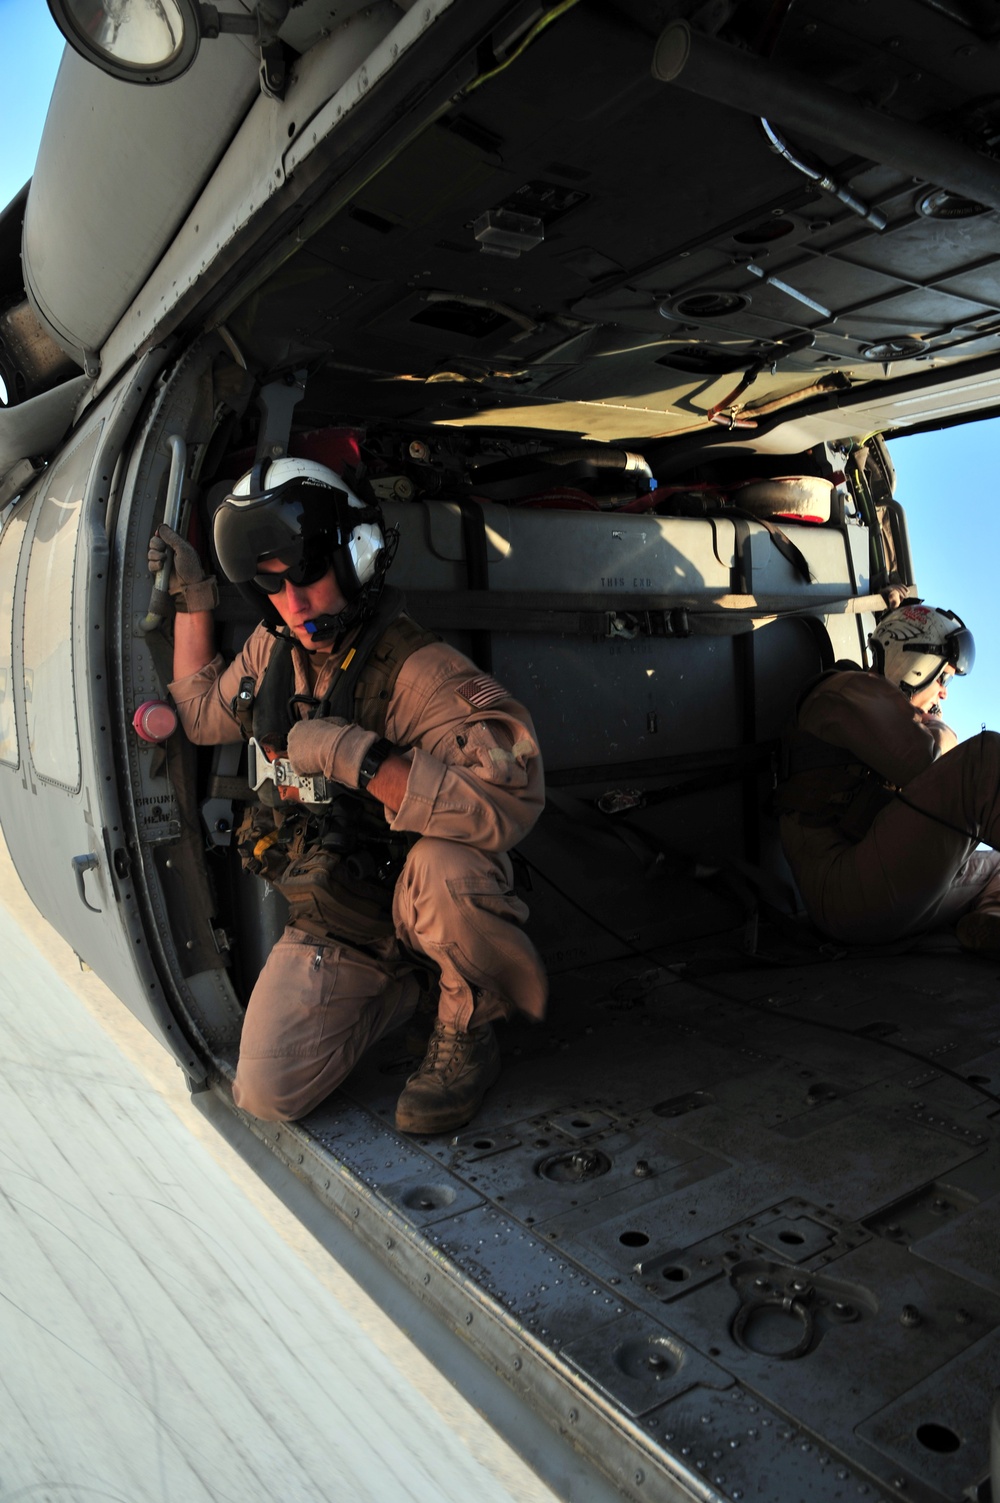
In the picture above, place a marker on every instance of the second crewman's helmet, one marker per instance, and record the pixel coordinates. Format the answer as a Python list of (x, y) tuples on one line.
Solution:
[(306, 515), (912, 645)]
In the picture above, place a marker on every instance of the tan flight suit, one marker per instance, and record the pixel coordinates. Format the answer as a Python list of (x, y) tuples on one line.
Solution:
[(869, 867), (475, 788)]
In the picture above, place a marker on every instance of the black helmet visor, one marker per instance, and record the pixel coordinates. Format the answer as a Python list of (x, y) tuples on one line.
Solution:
[(280, 523), (306, 564), (960, 650)]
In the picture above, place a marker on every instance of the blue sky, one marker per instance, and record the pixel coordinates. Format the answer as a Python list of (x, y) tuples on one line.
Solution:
[(31, 46), (947, 482), (948, 485)]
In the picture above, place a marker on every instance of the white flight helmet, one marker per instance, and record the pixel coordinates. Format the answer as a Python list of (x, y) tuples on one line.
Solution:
[(912, 645), (306, 515)]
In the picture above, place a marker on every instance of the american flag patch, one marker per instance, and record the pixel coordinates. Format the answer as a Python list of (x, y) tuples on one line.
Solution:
[(482, 692)]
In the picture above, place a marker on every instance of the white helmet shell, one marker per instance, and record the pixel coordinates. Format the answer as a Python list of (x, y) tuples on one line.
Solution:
[(280, 471), (275, 530), (913, 645)]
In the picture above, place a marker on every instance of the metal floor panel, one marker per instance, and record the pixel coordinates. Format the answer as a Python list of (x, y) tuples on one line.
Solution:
[(732, 1228)]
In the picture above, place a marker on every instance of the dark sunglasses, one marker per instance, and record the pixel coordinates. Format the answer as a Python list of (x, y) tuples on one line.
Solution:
[(308, 571)]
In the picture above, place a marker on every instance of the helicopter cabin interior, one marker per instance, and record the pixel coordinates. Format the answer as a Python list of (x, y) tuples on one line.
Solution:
[(617, 353)]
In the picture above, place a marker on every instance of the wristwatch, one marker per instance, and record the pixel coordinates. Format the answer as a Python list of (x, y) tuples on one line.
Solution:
[(376, 754)]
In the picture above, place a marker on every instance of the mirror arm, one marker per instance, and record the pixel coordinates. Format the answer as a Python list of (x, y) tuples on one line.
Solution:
[(213, 24), (267, 17)]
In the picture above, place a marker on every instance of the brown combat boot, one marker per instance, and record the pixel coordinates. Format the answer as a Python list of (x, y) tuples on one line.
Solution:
[(454, 1076), (980, 930)]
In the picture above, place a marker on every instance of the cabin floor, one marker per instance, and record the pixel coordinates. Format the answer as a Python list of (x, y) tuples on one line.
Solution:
[(733, 1220)]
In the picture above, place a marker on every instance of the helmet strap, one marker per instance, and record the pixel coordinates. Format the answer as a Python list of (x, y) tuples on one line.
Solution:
[(912, 689), (362, 605), (345, 573), (256, 485)]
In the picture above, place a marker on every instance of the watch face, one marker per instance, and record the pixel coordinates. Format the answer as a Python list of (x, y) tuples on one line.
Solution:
[(375, 756)]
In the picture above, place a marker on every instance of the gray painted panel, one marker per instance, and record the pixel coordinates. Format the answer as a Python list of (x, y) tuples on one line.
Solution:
[(37, 426), (118, 168)]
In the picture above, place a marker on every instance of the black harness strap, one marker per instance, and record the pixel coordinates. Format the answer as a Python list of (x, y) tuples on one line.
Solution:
[(339, 697), (808, 753), (270, 713), (271, 717), (781, 541), (477, 570)]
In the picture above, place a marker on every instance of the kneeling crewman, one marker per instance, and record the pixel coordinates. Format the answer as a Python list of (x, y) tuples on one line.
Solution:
[(882, 809), (422, 773)]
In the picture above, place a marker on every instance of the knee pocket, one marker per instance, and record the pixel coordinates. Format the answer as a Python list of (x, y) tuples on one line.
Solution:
[(434, 863), (487, 893)]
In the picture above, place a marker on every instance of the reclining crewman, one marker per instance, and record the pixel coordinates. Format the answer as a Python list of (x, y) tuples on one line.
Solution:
[(882, 808), (405, 876)]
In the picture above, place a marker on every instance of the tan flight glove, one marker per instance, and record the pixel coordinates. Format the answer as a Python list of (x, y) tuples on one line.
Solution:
[(334, 747), (189, 587)]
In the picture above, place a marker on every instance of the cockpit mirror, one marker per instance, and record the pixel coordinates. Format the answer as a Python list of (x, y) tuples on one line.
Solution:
[(154, 41), (141, 41)]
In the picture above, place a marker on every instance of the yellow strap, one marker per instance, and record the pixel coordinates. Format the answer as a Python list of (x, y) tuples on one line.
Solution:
[(263, 844)]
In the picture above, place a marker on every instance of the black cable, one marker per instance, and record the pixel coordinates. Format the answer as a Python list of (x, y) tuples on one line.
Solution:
[(923, 1059), (939, 819)]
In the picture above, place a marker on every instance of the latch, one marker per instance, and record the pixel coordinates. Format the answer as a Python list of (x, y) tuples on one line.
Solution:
[(263, 766), (82, 864), (628, 625)]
